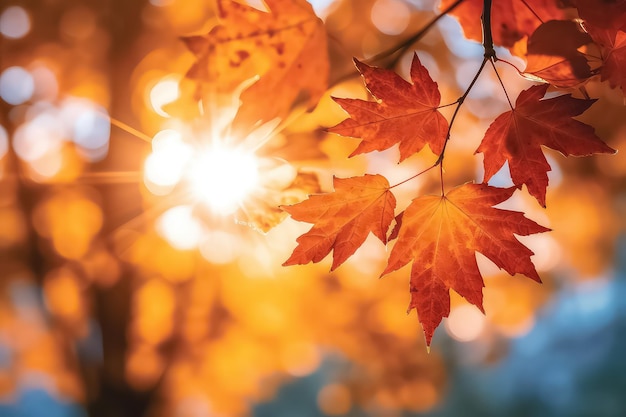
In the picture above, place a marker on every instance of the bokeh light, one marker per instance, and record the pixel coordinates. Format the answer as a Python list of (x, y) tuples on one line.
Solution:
[(41, 135), (180, 228), (164, 92), (220, 247), (14, 22), (334, 400), (16, 85), (4, 141), (78, 23), (465, 323), (46, 83), (391, 17), (165, 166), (88, 126)]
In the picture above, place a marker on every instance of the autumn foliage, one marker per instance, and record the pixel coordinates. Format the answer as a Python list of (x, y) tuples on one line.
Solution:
[(439, 234), (392, 153), (517, 136), (407, 114)]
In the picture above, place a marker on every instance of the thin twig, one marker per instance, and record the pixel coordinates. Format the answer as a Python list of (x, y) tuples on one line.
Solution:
[(399, 47)]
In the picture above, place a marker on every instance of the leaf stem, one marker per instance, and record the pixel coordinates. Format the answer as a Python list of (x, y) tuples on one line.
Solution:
[(502, 84), (443, 106), (413, 176), (520, 72)]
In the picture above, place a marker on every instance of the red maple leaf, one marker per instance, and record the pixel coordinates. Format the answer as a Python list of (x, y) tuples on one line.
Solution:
[(511, 20), (613, 45), (553, 53), (517, 135), (343, 219), (441, 235), (405, 113)]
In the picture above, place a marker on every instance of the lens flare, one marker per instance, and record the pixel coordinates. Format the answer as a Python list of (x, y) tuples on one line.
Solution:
[(222, 177), (167, 163), (164, 92)]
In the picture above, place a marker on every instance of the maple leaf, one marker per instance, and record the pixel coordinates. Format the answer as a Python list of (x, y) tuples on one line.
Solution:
[(441, 235), (263, 212), (517, 135), (610, 14), (405, 113), (553, 54), (511, 20), (613, 45), (286, 50), (343, 219)]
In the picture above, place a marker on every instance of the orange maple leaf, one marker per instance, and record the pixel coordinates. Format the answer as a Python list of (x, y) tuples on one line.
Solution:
[(441, 235), (517, 135), (343, 219), (285, 48), (405, 113), (511, 20)]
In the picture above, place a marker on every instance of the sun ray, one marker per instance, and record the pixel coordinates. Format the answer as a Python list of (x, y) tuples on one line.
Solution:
[(128, 129), (146, 216), (113, 177)]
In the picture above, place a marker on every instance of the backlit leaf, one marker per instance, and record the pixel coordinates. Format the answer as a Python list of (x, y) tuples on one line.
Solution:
[(511, 20), (441, 236), (263, 212), (517, 136), (554, 56), (613, 45), (285, 49), (405, 113), (343, 219), (609, 14)]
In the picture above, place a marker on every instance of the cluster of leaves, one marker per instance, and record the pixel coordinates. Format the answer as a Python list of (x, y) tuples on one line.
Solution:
[(549, 35), (564, 45), (278, 57)]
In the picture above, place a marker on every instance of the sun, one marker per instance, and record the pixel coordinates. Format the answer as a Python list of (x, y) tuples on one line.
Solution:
[(222, 177)]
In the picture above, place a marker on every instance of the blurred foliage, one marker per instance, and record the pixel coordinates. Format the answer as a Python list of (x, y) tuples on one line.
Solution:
[(108, 303)]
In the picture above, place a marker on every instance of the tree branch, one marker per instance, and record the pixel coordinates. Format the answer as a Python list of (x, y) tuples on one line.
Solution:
[(403, 46), (490, 53)]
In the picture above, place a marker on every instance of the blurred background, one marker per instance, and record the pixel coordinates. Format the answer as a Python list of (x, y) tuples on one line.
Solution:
[(120, 298)]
